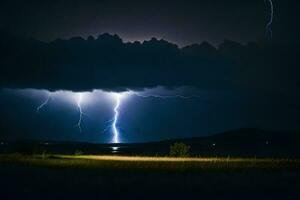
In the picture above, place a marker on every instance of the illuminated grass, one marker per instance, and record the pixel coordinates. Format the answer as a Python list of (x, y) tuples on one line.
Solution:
[(150, 163)]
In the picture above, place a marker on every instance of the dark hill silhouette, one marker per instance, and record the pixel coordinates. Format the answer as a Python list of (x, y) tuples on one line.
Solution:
[(236, 143)]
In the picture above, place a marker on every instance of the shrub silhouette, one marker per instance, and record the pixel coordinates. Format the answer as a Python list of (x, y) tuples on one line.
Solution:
[(78, 153), (179, 150)]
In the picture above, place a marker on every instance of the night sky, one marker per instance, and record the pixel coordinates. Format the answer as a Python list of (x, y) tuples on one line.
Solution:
[(181, 22), (236, 76)]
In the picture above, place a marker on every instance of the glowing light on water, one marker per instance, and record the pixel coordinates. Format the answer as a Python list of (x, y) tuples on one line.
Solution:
[(115, 148)]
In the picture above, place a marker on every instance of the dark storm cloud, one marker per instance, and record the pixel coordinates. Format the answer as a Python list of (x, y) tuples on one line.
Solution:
[(110, 64)]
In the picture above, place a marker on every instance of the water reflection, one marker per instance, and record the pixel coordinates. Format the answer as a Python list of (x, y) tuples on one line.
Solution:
[(115, 149)]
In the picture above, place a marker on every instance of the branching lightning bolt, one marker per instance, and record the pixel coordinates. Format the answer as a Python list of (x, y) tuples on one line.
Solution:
[(43, 104), (118, 97), (270, 22), (79, 98), (80, 111)]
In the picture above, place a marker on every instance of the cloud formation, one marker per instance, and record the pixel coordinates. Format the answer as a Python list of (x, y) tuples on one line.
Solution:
[(110, 64)]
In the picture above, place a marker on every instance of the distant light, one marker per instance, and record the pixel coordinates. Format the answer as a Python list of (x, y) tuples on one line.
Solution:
[(214, 144), (115, 148), (267, 142)]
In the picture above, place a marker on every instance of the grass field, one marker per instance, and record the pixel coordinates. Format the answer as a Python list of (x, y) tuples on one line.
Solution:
[(134, 177), (149, 163)]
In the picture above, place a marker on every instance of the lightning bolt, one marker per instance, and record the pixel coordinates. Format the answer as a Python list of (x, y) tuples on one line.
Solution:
[(79, 100), (79, 97), (270, 22), (43, 103), (118, 98), (115, 119)]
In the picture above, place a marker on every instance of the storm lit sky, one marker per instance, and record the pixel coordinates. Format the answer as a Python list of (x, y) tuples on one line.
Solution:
[(143, 116), (235, 85)]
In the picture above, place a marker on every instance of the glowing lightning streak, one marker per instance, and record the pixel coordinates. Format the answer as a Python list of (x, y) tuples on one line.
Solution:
[(118, 97), (78, 102), (43, 104), (269, 24), (80, 111), (115, 120)]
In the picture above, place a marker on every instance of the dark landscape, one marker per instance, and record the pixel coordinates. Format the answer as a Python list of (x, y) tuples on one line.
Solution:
[(149, 99), (229, 165), (25, 182), (247, 143)]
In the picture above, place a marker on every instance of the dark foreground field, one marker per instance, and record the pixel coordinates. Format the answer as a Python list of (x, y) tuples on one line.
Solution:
[(110, 177)]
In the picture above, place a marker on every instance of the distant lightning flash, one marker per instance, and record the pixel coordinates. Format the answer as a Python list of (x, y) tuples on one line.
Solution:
[(43, 104), (270, 22), (79, 100)]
